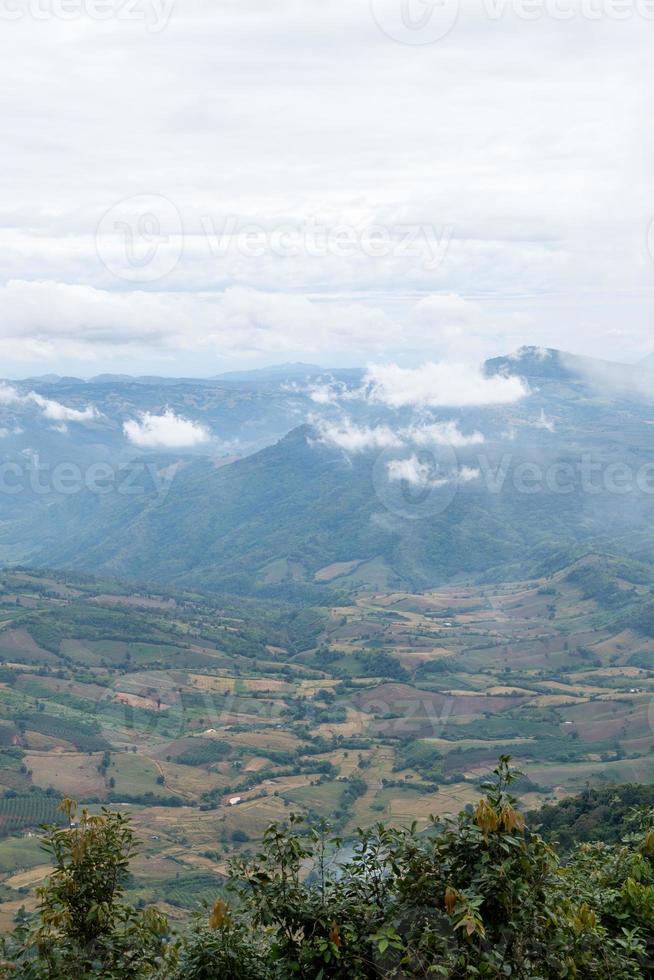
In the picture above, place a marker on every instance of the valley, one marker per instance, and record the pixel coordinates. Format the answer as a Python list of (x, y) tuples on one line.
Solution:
[(207, 717)]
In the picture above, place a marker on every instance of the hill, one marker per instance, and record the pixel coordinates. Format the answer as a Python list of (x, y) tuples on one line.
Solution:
[(481, 895), (366, 496), (272, 523), (389, 705)]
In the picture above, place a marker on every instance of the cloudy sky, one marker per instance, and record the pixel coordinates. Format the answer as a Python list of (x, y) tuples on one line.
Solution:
[(192, 186)]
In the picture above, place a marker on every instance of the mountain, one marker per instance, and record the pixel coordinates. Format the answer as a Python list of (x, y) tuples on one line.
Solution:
[(290, 373), (280, 508), (295, 370), (240, 418), (300, 515), (53, 379), (601, 376)]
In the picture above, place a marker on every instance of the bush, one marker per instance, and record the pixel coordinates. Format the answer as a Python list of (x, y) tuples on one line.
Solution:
[(480, 895), (82, 928)]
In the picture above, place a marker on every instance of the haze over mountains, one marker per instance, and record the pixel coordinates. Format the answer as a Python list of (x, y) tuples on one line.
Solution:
[(294, 479)]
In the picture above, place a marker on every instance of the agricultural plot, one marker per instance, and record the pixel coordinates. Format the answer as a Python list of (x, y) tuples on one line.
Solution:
[(206, 720)]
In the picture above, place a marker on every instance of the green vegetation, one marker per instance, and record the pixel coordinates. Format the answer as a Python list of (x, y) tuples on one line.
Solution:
[(21, 812), (207, 719), (596, 815), (83, 735), (479, 896)]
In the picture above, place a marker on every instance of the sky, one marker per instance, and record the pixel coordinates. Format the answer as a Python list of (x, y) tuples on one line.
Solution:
[(195, 186)]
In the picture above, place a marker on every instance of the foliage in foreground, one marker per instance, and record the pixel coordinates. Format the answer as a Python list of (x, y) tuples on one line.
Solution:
[(480, 896)]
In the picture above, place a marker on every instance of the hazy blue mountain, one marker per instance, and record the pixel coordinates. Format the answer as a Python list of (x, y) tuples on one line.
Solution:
[(600, 376), (277, 519), (295, 370)]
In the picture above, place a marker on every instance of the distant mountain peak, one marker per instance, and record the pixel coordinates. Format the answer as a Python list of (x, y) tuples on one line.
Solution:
[(533, 362), (293, 369), (530, 352), (548, 363)]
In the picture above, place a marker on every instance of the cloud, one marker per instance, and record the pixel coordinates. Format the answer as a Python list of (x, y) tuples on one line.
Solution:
[(329, 393), (352, 438), (412, 471), (57, 412), (547, 194), (442, 384), (322, 395), (9, 395), (442, 434), (468, 473), (526, 353), (610, 379), (167, 431), (419, 473), (52, 410)]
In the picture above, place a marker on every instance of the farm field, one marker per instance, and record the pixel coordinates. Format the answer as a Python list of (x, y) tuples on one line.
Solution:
[(207, 718)]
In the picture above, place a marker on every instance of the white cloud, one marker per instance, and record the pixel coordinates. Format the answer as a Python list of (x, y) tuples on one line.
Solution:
[(322, 395), (57, 412), (454, 385), (52, 410), (442, 434), (167, 431), (547, 194), (9, 395), (352, 438), (540, 353), (413, 471), (420, 474), (328, 394)]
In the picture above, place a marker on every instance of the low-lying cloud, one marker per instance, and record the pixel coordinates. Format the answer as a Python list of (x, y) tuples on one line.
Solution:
[(419, 473), (352, 438), (440, 384), (167, 431), (52, 410)]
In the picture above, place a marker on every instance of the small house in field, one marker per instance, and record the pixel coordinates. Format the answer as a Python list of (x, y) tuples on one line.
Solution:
[(235, 800)]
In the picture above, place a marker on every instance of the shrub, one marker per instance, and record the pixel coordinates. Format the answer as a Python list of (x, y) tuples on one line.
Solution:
[(479, 895)]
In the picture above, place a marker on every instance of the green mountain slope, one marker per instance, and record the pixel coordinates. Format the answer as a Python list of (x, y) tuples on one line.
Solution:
[(565, 470)]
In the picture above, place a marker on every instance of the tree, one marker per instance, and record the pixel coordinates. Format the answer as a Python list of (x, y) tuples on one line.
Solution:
[(480, 895), (83, 929), (224, 948)]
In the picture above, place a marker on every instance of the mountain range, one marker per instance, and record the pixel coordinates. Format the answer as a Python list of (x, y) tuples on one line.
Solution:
[(301, 493)]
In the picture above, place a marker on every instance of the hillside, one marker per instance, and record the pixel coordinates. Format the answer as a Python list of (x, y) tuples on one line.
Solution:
[(391, 706), (335, 504), (480, 895), (278, 521)]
